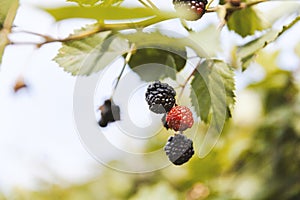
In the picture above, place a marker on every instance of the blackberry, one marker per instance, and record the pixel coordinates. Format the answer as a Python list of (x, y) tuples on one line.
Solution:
[(160, 97), (109, 113), (197, 8), (179, 149)]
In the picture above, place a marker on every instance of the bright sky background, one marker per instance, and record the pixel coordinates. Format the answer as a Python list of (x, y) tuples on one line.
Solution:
[(38, 136)]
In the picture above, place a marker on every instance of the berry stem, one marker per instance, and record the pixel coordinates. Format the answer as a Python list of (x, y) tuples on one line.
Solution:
[(142, 2), (209, 3), (46, 37), (152, 4), (187, 80), (126, 61)]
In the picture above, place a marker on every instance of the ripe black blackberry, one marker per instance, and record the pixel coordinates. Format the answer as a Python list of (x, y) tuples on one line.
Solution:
[(179, 149), (109, 113), (197, 8), (160, 97)]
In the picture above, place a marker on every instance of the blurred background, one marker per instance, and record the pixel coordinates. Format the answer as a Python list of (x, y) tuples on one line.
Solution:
[(256, 157)]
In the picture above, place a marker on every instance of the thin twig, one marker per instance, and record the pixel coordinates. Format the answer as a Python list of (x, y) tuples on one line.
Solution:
[(100, 28), (221, 24), (46, 37), (50, 39), (126, 61), (208, 4), (152, 4), (187, 80), (212, 9), (142, 2)]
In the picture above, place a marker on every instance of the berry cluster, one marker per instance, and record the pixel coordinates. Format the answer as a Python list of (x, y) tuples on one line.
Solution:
[(161, 99), (195, 7)]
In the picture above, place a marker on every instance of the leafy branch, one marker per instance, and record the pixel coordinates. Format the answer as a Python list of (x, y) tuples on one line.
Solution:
[(101, 27), (97, 28)]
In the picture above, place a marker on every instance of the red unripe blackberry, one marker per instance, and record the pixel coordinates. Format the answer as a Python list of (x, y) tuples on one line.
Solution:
[(160, 97), (180, 118), (179, 149), (197, 7)]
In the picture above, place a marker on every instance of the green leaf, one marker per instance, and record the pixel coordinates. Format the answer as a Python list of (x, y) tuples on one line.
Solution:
[(246, 53), (98, 2), (7, 6), (158, 63), (107, 3), (212, 97), (157, 56), (209, 39), (85, 2), (268, 60), (91, 54), (201, 98), (171, 43), (246, 21), (213, 90), (3, 42), (106, 13), (8, 11)]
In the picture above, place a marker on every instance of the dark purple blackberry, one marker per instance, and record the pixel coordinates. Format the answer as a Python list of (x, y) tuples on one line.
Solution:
[(160, 97), (197, 7), (179, 149), (109, 113)]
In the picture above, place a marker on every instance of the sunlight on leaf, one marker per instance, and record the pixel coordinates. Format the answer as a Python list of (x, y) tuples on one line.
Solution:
[(211, 43), (91, 54), (212, 77), (106, 13)]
